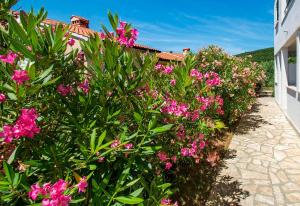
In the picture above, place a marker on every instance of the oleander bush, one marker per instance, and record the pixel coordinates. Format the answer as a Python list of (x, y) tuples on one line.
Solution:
[(241, 78), (106, 125)]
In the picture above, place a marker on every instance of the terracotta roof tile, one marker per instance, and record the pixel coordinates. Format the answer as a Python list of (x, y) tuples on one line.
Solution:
[(166, 56), (170, 56), (139, 46)]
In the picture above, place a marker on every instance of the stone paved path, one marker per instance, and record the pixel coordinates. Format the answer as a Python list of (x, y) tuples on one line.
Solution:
[(268, 157)]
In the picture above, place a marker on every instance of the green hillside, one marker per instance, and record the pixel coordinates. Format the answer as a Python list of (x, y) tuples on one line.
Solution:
[(261, 55)]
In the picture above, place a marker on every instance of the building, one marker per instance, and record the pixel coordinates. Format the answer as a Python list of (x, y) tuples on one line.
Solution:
[(79, 29), (287, 58)]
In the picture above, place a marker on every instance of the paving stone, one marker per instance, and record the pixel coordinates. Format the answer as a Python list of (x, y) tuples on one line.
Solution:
[(264, 190), (279, 155), (290, 186), (293, 197), (264, 199), (268, 158), (278, 195), (246, 174)]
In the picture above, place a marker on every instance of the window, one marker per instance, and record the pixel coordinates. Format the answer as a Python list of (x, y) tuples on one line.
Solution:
[(277, 10)]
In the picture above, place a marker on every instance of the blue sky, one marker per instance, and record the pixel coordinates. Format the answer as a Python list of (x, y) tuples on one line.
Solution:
[(171, 25)]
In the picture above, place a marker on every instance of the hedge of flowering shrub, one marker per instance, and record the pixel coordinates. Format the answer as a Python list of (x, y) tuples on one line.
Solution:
[(241, 78), (105, 125)]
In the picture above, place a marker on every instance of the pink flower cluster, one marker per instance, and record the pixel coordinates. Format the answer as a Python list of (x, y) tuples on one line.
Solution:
[(71, 42), (123, 38), (84, 86), (168, 202), (8, 58), (211, 78), (25, 126), (164, 69), (164, 158), (195, 73), (53, 195), (20, 76), (173, 108), (2, 97), (207, 102), (64, 90), (117, 142), (195, 148), (82, 185)]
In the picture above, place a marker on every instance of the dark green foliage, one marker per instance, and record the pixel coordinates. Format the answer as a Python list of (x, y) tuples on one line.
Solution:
[(261, 55)]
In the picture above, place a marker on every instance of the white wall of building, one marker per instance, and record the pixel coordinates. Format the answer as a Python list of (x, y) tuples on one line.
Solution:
[(287, 75)]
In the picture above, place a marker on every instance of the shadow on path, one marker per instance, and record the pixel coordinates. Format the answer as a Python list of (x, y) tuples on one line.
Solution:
[(251, 121), (226, 191), (205, 185)]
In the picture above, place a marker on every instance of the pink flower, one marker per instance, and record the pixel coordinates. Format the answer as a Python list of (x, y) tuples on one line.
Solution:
[(168, 202), (64, 90), (71, 42), (101, 159), (134, 33), (26, 124), (8, 58), (174, 158), (197, 74), (212, 79), (181, 132), (128, 146), (20, 76), (2, 97), (195, 115), (82, 185), (168, 70), (201, 144), (115, 143), (162, 156), (124, 38), (123, 24), (35, 191), (168, 166), (173, 82), (7, 133), (84, 86), (102, 35), (159, 67), (184, 152)]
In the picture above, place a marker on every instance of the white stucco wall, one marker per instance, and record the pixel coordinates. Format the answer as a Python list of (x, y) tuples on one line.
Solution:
[(288, 24), (287, 76)]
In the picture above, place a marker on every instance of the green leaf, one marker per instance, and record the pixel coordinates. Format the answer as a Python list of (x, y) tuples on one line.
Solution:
[(77, 201), (162, 129), (17, 29), (45, 73), (12, 96), (92, 167), (101, 138), (12, 156), (112, 21), (129, 200), (137, 192), (9, 173), (20, 47), (138, 118), (92, 140)]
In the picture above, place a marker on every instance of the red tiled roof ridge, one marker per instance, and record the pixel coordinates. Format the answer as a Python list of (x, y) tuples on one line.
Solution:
[(171, 56), (88, 32)]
